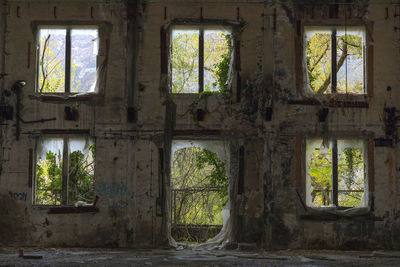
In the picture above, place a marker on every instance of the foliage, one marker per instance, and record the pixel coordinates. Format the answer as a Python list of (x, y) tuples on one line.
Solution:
[(200, 187), (81, 176), (217, 177), (320, 172), (350, 177), (52, 65), (222, 68), (349, 54), (185, 65), (49, 179), (49, 176), (185, 61), (217, 58)]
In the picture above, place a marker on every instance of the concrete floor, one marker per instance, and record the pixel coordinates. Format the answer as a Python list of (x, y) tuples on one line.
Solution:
[(192, 257)]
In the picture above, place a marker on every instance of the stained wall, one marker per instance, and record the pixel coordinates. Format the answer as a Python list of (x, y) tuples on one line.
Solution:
[(135, 119)]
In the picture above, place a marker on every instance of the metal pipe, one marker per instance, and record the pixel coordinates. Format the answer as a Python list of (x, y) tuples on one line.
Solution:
[(333, 62), (335, 173), (201, 61), (3, 52)]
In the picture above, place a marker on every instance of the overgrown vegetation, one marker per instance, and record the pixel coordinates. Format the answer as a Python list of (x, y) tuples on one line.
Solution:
[(52, 65), (349, 63), (49, 176), (49, 179), (53, 61), (350, 177), (185, 61), (200, 187), (222, 68)]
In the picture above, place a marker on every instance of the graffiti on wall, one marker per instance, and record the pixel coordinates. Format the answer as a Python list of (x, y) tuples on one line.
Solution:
[(113, 190), (18, 196)]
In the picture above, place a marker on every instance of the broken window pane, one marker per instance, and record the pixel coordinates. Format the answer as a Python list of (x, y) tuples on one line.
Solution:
[(59, 61), (52, 60), (185, 61), (49, 170), (319, 173), (84, 50), (199, 194), (349, 59), (350, 62), (350, 170), (217, 57), (186, 58), (50, 174), (351, 173), (318, 58), (81, 170)]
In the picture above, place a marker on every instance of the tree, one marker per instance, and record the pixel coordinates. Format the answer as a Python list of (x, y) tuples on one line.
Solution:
[(217, 59), (350, 177), (185, 61), (349, 53), (81, 176), (200, 187), (49, 179), (52, 65), (49, 176), (320, 172)]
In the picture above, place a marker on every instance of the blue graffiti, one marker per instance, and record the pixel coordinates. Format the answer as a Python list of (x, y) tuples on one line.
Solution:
[(18, 196), (113, 190)]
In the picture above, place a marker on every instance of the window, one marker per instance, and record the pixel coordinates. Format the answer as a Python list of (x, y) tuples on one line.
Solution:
[(336, 173), (67, 59), (200, 59), (64, 171), (335, 59), (199, 189)]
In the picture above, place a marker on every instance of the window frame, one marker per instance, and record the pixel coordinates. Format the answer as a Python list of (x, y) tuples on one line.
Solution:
[(302, 86), (64, 202), (302, 179), (235, 28), (103, 30)]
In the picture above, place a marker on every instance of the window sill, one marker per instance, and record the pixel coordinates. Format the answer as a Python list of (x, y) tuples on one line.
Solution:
[(66, 209), (334, 101), (62, 97), (335, 214), (194, 97), (205, 93)]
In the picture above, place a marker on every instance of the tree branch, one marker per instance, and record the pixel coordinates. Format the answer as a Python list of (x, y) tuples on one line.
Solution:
[(46, 42), (327, 81), (320, 58)]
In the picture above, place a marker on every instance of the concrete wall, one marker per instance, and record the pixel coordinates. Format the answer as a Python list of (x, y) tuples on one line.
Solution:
[(269, 212)]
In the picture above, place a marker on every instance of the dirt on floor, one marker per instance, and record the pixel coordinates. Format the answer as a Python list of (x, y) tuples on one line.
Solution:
[(192, 257)]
